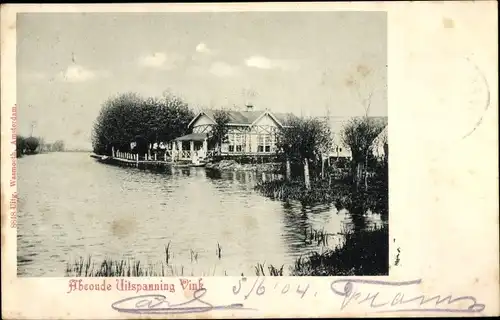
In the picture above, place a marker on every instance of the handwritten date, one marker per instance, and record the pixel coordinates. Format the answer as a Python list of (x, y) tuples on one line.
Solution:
[(259, 289)]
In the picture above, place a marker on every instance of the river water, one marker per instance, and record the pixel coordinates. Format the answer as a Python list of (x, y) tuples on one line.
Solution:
[(71, 206)]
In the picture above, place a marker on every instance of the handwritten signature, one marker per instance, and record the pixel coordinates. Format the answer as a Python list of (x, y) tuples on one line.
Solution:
[(158, 304), (353, 292)]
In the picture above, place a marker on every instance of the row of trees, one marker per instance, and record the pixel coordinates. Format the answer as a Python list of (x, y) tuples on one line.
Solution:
[(57, 146), (33, 145), (130, 118)]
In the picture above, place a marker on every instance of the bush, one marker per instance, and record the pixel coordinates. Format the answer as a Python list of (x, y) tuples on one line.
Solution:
[(20, 145), (31, 144)]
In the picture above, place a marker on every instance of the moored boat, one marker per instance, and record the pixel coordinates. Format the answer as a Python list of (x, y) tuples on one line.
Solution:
[(187, 165), (104, 159)]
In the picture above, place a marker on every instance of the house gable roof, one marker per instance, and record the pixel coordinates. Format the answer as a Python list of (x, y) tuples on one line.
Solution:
[(266, 113), (210, 116), (245, 118)]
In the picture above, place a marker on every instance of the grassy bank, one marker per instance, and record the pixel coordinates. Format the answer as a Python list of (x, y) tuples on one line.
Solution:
[(88, 267), (361, 253), (320, 192), (337, 192)]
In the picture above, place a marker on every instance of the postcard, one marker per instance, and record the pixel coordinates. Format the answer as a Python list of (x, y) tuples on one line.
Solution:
[(249, 160)]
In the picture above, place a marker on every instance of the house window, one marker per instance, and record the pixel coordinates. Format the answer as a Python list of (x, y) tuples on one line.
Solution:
[(266, 143), (231, 142), (238, 142), (261, 140), (235, 141), (273, 142)]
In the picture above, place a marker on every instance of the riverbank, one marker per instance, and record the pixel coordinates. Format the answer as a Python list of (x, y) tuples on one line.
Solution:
[(338, 192), (222, 165), (231, 165), (362, 252), (20, 154), (296, 190)]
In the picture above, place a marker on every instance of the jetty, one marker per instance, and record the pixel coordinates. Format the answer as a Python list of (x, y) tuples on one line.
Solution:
[(130, 159)]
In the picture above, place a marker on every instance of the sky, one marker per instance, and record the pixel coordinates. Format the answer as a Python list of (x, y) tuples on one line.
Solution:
[(307, 63)]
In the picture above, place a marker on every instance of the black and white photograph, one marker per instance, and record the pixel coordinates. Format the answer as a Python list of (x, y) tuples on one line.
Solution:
[(167, 144)]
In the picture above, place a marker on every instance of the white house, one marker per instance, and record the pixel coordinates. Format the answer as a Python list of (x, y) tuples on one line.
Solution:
[(340, 151), (380, 144), (250, 133)]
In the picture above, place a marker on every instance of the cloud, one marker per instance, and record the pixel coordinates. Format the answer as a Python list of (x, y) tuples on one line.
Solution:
[(203, 48), (261, 62), (223, 69), (159, 60), (77, 73)]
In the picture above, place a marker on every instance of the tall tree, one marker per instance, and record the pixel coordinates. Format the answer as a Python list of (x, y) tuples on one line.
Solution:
[(218, 134), (358, 134), (117, 123), (362, 82), (304, 140)]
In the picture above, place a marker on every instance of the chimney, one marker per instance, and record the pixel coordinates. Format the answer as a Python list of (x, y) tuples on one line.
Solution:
[(249, 107)]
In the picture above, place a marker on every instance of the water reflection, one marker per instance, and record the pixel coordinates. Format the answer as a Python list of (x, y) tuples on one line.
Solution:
[(213, 174), (72, 206)]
